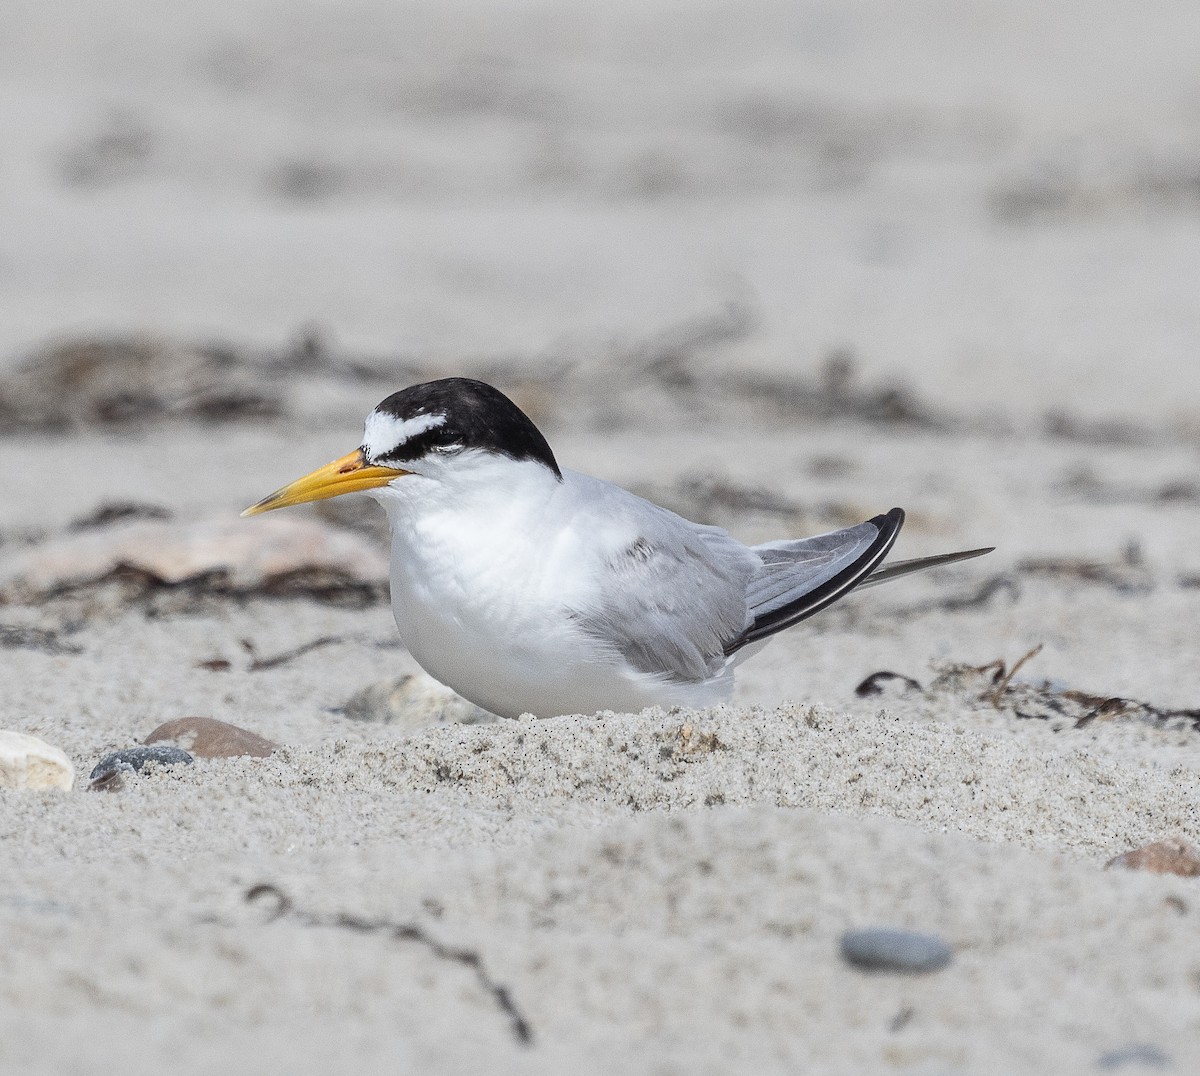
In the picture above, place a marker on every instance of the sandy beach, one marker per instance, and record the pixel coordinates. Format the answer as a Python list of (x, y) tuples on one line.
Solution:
[(777, 267)]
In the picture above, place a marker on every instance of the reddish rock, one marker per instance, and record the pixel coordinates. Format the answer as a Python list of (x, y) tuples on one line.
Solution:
[(1173, 856), (206, 737)]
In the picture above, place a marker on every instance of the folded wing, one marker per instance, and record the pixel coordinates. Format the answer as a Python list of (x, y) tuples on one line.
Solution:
[(799, 578)]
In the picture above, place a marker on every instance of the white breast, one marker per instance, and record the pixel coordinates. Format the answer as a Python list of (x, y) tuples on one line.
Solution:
[(484, 575)]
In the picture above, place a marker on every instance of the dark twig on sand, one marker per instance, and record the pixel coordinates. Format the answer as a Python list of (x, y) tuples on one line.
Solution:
[(258, 664), (1004, 676), (283, 908)]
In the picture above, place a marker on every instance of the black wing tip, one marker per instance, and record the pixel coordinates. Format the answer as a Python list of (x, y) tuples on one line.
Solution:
[(888, 522), (888, 525)]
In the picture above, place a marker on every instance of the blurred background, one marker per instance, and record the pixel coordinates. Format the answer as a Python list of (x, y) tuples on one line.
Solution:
[(776, 265), (996, 202)]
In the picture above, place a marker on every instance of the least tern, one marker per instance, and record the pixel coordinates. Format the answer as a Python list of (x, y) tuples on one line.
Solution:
[(529, 588)]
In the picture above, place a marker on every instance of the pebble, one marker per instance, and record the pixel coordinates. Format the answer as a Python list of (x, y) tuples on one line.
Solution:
[(27, 762), (1141, 1054), (206, 737), (132, 759), (1173, 856), (893, 949), (413, 701)]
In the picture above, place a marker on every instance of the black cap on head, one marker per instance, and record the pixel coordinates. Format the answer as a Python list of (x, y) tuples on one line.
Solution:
[(455, 413)]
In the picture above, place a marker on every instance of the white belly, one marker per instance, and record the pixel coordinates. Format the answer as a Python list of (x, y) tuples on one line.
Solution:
[(484, 580), (510, 650)]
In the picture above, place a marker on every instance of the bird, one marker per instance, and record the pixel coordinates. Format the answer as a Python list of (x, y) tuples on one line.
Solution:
[(528, 588)]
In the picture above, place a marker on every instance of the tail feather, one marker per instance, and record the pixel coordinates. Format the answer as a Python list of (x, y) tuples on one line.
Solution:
[(827, 583), (901, 568), (801, 577)]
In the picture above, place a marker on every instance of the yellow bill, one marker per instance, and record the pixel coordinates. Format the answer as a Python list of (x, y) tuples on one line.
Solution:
[(350, 474)]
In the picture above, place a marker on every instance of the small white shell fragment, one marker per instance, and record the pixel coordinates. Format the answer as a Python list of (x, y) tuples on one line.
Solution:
[(27, 762)]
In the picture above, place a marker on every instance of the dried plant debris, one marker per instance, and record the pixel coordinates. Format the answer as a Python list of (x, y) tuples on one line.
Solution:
[(687, 370), (311, 353), (717, 501), (110, 512), (259, 663), (887, 683), (1085, 485), (281, 908), (677, 363), (1074, 185), (673, 370), (724, 502), (1063, 426), (669, 356), (119, 381), (121, 149), (984, 596), (18, 637), (693, 744), (995, 685), (175, 566), (834, 393), (1126, 573)]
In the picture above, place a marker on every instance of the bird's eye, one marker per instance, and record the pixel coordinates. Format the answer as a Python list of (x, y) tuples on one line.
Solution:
[(447, 449)]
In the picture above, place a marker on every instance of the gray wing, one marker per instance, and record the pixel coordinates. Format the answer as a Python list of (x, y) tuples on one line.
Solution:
[(672, 593), (800, 578)]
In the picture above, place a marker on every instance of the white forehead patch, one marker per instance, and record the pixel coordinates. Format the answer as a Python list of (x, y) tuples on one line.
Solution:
[(385, 433)]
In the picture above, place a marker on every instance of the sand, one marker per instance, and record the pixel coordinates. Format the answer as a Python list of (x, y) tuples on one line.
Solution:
[(780, 268)]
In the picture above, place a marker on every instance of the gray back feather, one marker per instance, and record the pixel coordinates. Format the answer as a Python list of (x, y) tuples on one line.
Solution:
[(676, 590)]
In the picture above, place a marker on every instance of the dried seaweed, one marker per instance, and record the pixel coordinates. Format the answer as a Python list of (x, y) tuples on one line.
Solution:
[(882, 682), (1085, 485), (995, 685), (834, 394), (1126, 573), (981, 598), (718, 501), (128, 586), (110, 512), (118, 381), (14, 637)]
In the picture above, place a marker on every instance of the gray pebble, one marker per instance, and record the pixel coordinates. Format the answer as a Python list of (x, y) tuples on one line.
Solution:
[(893, 949), (1141, 1054), (132, 759)]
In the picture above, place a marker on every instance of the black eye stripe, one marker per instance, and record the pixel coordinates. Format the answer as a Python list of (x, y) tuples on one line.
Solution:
[(424, 442), (476, 416)]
